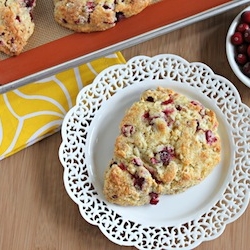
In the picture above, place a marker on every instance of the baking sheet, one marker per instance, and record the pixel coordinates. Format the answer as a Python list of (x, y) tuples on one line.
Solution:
[(53, 48)]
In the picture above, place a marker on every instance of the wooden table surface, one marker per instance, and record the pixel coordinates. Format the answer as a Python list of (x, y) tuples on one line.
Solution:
[(37, 213)]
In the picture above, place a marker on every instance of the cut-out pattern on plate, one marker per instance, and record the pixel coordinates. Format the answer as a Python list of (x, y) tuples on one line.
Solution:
[(83, 178)]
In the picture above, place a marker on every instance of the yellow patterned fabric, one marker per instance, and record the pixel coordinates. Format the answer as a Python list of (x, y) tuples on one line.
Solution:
[(32, 112)]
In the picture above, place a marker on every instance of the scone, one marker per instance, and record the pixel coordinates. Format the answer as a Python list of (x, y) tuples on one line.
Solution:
[(16, 25), (167, 144), (95, 15)]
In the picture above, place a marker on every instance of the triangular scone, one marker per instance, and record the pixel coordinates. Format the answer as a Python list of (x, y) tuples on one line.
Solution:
[(16, 25), (167, 143)]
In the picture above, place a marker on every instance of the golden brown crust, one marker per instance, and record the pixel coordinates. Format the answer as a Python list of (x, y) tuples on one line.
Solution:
[(16, 25), (85, 15), (128, 190), (131, 7), (95, 15), (172, 140)]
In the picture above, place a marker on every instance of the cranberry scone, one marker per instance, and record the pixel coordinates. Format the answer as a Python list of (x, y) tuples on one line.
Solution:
[(95, 15), (16, 25), (167, 144)]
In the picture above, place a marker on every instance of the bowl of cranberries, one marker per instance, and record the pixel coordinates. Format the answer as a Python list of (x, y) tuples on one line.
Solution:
[(238, 46)]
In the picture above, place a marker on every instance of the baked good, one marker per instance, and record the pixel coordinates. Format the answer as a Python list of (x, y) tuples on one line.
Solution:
[(95, 15), (167, 144), (16, 25)]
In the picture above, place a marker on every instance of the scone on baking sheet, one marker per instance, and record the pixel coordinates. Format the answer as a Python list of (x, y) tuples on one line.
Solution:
[(95, 15), (16, 25), (85, 15), (167, 144)]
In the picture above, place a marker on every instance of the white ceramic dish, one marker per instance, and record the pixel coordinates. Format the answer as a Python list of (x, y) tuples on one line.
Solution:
[(230, 50), (180, 221)]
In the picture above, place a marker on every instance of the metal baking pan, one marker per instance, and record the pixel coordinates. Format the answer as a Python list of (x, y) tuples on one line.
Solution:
[(53, 48)]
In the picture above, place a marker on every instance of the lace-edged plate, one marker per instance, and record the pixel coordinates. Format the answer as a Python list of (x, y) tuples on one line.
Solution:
[(180, 221)]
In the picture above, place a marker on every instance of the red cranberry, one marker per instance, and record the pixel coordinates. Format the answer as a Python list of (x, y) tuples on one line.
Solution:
[(154, 198), (120, 16), (164, 156), (137, 162), (246, 36), (210, 137), (242, 27), (18, 19), (178, 107), (147, 117), (122, 166), (198, 125), (237, 38), (150, 99), (196, 103), (154, 160), (248, 50), (106, 7), (127, 130), (138, 181), (242, 48), (246, 69), (241, 59), (168, 111), (90, 6), (245, 16), (29, 3), (170, 100)]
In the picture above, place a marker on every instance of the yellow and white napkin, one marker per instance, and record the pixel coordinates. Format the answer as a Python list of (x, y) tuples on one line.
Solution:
[(32, 112)]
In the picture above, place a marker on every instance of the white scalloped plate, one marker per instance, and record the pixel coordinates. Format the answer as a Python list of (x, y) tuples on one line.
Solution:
[(180, 221)]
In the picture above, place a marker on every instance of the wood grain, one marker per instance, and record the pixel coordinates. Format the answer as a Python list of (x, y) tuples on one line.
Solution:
[(37, 213)]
